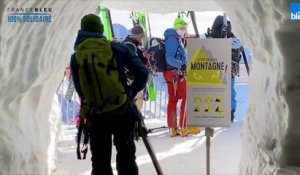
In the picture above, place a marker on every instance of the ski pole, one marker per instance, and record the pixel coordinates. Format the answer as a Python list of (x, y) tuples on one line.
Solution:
[(153, 129), (143, 132), (193, 17), (245, 61)]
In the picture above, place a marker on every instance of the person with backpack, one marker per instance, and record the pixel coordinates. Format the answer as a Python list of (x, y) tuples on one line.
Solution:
[(236, 56), (219, 30), (176, 59), (98, 68), (133, 42)]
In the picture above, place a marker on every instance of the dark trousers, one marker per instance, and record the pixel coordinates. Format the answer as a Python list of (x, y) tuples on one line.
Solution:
[(101, 132)]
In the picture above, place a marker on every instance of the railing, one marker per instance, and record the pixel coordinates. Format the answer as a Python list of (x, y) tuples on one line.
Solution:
[(69, 108), (158, 107), (151, 109)]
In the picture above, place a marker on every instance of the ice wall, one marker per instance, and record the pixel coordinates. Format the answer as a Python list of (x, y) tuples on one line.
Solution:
[(33, 57), (32, 61), (271, 143)]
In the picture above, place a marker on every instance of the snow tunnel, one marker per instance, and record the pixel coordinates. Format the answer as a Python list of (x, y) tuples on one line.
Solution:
[(33, 58)]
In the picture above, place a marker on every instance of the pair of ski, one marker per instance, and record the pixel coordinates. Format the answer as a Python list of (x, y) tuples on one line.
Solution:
[(142, 19)]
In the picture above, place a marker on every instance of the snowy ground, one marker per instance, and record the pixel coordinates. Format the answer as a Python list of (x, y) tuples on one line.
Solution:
[(177, 156)]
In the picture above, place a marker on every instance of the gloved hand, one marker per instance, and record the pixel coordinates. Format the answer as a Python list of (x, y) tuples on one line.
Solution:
[(146, 55)]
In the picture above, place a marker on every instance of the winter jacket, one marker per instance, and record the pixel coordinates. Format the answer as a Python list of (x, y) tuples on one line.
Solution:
[(133, 45), (176, 54), (124, 58)]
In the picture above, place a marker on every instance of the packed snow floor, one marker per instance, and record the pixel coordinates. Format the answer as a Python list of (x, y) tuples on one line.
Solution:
[(177, 156)]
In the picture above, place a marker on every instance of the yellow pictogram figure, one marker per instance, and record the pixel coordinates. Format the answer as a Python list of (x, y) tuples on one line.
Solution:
[(219, 99), (198, 99), (208, 109), (219, 109), (208, 99), (197, 109)]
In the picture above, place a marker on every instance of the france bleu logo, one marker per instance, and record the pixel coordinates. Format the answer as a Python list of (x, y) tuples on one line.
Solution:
[(29, 15), (295, 11)]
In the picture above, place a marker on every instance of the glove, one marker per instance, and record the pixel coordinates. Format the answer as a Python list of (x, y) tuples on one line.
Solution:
[(183, 67), (147, 56)]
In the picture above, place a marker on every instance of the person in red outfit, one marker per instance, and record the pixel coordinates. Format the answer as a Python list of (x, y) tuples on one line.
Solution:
[(176, 59)]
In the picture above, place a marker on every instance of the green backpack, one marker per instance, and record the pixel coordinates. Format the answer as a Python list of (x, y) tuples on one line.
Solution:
[(99, 77)]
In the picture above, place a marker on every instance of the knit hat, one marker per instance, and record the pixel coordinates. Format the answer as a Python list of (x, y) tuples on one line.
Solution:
[(137, 31), (179, 23), (92, 23)]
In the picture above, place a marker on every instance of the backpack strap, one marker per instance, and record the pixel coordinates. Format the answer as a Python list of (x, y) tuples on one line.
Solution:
[(78, 142), (96, 75), (87, 71), (132, 44), (84, 149)]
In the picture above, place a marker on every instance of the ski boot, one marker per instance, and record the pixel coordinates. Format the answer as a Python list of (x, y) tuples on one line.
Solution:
[(173, 132), (184, 132), (194, 130)]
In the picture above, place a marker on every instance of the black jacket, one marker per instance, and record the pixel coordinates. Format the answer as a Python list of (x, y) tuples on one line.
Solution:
[(134, 47)]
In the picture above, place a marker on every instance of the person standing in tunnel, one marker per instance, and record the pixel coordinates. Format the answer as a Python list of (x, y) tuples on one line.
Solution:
[(236, 56), (219, 30), (98, 68), (176, 58), (133, 42)]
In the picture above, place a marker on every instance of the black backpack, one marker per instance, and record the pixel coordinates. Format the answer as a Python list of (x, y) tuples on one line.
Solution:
[(157, 53)]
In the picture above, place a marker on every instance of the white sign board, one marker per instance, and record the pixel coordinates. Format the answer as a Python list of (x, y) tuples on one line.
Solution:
[(208, 82)]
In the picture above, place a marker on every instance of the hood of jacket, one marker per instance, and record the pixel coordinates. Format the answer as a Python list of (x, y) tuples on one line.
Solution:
[(83, 35), (170, 32)]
